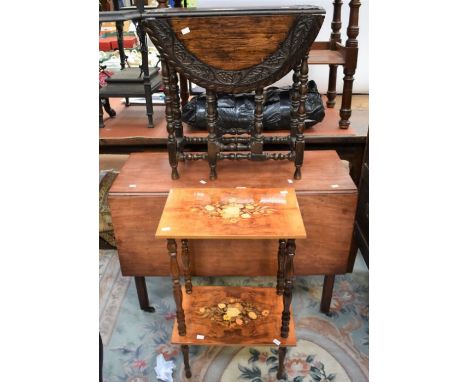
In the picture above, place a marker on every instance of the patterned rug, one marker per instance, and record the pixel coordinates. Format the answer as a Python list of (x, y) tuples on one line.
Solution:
[(333, 348)]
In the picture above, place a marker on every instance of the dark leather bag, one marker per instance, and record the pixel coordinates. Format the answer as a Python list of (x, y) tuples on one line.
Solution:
[(237, 110)]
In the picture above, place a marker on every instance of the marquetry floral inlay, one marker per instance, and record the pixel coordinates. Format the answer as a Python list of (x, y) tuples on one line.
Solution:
[(232, 210), (233, 312)]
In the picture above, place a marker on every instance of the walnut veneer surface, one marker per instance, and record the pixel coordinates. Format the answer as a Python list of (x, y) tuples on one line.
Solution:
[(261, 331), (231, 213)]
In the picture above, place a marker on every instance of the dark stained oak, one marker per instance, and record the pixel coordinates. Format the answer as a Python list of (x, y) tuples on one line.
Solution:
[(233, 46), (261, 331)]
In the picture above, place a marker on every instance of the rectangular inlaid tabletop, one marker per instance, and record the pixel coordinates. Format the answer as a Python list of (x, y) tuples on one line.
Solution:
[(231, 213)]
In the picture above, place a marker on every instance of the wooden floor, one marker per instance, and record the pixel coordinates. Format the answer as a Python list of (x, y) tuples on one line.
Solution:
[(129, 127)]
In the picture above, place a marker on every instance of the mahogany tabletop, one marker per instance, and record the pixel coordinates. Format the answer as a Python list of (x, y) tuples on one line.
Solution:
[(231, 213)]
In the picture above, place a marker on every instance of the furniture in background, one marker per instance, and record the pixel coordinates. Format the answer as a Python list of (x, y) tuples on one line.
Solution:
[(129, 82), (334, 53), (224, 315), (361, 224), (276, 41), (327, 199)]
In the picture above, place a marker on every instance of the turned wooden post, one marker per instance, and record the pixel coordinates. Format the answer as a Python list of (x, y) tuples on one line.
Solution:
[(213, 148), (351, 63), (145, 68), (301, 115), (171, 140), (257, 139), (281, 261), (295, 100), (185, 352), (288, 288), (186, 264), (176, 114), (176, 289), (335, 37), (281, 374)]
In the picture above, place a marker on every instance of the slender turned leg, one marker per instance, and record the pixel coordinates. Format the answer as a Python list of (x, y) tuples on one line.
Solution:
[(327, 292), (334, 38), (176, 114), (351, 63), (287, 295), (301, 114), (176, 289), (146, 79), (257, 139), (211, 122), (171, 140), (184, 93), (185, 352), (101, 114), (143, 294), (119, 27), (331, 92), (295, 100), (281, 260), (281, 356), (186, 264)]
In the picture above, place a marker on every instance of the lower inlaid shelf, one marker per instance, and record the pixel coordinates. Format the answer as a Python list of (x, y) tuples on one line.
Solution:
[(204, 317)]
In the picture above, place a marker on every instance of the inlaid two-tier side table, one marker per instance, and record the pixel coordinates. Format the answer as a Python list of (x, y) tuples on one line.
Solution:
[(225, 315)]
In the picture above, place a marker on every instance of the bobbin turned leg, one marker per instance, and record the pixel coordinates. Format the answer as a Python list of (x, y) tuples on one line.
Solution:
[(281, 356), (171, 139), (176, 114), (186, 264), (301, 114), (176, 289), (185, 352), (211, 122), (334, 39), (351, 63), (287, 295), (281, 260)]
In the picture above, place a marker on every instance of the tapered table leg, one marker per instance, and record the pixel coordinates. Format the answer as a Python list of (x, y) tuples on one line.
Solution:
[(288, 287), (185, 352), (186, 264), (327, 292), (281, 260), (143, 294), (281, 356), (176, 289)]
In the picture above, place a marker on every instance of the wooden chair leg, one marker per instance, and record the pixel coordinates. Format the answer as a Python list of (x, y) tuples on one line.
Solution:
[(142, 293), (327, 293)]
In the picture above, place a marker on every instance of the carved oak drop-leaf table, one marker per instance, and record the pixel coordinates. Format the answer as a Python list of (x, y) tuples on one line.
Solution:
[(234, 50)]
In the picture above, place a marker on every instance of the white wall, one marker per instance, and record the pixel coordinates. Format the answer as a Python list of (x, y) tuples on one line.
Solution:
[(319, 73)]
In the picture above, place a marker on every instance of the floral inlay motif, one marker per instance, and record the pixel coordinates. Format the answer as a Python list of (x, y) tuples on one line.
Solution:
[(232, 210), (233, 312)]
